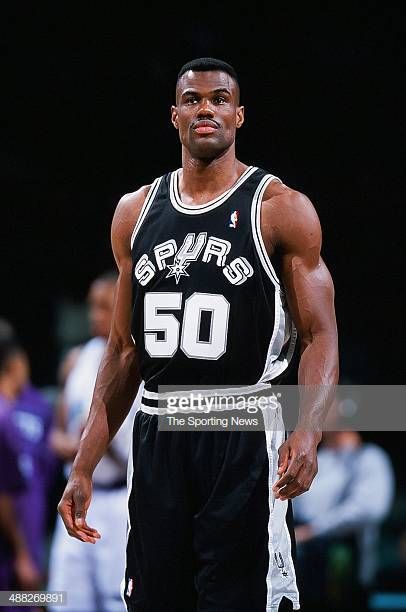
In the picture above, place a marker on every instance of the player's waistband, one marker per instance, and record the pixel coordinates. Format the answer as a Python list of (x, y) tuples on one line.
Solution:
[(189, 400)]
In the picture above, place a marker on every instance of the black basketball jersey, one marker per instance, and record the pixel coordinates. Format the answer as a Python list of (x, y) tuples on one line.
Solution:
[(208, 307)]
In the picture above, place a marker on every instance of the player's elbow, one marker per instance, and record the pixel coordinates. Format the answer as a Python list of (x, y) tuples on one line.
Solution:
[(120, 343), (320, 337)]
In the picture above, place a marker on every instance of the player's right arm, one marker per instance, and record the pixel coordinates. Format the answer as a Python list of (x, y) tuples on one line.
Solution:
[(117, 380)]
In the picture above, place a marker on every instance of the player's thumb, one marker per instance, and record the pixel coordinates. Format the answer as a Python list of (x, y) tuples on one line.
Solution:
[(79, 508)]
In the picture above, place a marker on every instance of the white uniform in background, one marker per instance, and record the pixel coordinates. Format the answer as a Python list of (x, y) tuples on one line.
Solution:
[(352, 493), (91, 574)]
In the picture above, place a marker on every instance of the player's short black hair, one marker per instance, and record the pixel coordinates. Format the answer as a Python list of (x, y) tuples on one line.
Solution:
[(203, 64)]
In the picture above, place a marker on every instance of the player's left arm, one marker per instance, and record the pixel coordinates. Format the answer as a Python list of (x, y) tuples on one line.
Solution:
[(309, 291)]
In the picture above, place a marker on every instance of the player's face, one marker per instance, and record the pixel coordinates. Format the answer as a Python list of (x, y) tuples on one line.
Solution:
[(207, 112), (101, 302)]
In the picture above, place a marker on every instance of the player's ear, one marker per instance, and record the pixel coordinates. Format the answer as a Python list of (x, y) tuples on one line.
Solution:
[(240, 116), (174, 117)]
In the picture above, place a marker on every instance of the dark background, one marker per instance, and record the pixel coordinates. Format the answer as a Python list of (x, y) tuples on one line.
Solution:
[(87, 95)]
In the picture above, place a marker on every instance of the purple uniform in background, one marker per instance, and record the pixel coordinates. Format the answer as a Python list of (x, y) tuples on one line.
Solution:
[(11, 483), (33, 416)]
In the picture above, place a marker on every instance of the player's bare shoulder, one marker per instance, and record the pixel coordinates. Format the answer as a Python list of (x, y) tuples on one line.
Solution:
[(128, 210), (126, 216), (288, 215)]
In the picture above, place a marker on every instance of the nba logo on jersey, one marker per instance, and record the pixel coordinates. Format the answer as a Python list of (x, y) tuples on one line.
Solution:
[(130, 587), (233, 219)]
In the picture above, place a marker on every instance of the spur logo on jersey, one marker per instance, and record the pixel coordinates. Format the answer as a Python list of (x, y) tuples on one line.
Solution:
[(208, 249), (234, 219)]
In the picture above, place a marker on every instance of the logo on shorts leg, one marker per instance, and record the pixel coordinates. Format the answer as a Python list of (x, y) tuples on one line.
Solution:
[(130, 587), (280, 564)]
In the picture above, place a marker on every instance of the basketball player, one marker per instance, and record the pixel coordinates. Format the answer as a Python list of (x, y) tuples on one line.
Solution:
[(220, 277), (18, 568)]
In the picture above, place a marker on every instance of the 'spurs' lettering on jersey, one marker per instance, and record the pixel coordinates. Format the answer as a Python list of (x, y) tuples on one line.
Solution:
[(208, 307)]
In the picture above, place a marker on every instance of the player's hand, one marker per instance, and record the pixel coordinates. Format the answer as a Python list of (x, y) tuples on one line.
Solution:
[(28, 577), (74, 505), (297, 464)]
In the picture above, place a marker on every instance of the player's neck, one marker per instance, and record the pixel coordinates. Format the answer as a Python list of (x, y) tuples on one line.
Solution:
[(202, 180)]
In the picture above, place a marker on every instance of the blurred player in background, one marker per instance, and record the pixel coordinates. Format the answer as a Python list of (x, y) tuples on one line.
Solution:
[(338, 521), (18, 569), (92, 575), (32, 416)]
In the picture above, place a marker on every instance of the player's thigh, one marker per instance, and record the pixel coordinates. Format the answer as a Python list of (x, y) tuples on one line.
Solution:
[(160, 564), (231, 525), (241, 538)]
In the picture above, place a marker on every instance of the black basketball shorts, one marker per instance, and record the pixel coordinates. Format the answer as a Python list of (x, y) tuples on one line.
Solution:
[(205, 533)]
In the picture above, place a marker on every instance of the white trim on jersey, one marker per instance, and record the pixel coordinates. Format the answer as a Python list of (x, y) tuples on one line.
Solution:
[(277, 338), (145, 208), (256, 227), (196, 209), (273, 366)]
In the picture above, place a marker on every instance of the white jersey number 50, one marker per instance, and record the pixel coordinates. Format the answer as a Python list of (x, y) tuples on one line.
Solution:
[(162, 328)]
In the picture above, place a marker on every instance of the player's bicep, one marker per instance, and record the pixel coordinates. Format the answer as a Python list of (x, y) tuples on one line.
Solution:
[(120, 332)]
